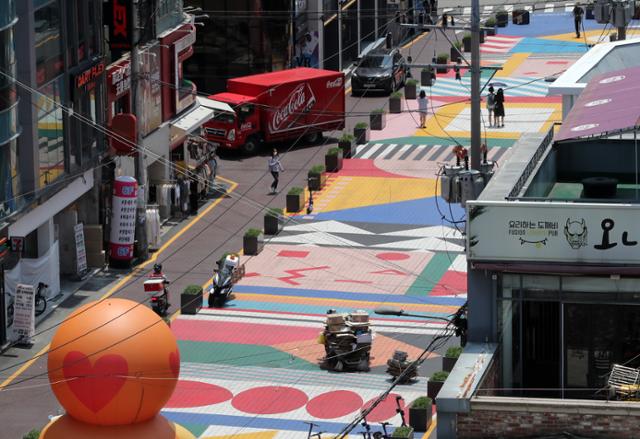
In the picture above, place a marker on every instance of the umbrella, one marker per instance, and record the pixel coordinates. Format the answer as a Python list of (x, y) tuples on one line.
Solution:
[(497, 84)]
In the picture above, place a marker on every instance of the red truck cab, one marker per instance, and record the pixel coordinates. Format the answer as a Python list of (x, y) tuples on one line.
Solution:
[(277, 106)]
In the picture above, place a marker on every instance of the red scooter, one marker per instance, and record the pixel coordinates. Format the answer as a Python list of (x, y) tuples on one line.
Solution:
[(156, 286)]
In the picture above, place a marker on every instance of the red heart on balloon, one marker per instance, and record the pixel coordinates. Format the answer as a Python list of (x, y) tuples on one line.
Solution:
[(174, 362), (95, 385)]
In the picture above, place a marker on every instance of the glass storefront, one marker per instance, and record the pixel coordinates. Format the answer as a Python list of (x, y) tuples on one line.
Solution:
[(9, 178), (561, 335), (82, 30), (241, 37), (48, 42), (50, 132)]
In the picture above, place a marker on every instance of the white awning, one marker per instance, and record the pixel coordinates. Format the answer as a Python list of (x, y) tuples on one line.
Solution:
[(189, 121), (215, 105)]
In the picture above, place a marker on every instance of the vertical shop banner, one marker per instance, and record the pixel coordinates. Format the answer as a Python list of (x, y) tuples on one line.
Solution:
[(183, 93), (81, 253), (123, 221), (151, 89), (24, 317), (118, 15)]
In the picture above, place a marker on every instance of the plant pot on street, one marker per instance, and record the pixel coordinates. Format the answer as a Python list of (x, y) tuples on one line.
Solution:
[(435, 383), (378, 120), (491, 31), (252, 242), (466, 42), (410, 89), (481, 36), (333, 160), (316, 177), (426, 78), (295, 200), (191, 299), (395, 103), (361, 133), (272, 221), (455, 51), (420, 412), (405, 432), (502, 18), (346, 144), (443, 58)]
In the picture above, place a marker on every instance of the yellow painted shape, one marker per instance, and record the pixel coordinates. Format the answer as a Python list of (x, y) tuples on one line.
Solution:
[(512, 64), (372, 191), (431, 428), (590, 34), (258, 435)]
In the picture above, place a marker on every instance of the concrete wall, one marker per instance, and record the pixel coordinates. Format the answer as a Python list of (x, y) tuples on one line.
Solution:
[(481, 301), (495, 417)]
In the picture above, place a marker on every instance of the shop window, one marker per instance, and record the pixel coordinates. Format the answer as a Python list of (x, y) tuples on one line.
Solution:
[(50, 132), (9, 178), (48, 42), (8, 65)]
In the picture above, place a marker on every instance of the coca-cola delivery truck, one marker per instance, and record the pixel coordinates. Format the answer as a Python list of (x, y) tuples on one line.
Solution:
[(278, 106)]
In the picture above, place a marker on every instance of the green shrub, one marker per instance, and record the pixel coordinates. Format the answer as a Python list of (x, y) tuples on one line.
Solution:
[(411, 82), (442, 58), (439, 377), (491, 22), (457, 45), (295, 191), (316, 170), (253, 233), (402, 431), (361, 125), (193, 290), (334, 151), (33, 434), (453, 352), (502, 13), (426, 69), (466, 37), (422, 403), (346, 137), (396, 95), (378, 111), (275, 212)]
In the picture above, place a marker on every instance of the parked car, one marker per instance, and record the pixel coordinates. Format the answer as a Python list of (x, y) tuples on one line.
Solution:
[(379, 71)]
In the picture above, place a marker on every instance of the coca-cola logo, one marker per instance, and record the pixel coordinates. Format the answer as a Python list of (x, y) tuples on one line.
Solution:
[(335, 83), (301, 99)]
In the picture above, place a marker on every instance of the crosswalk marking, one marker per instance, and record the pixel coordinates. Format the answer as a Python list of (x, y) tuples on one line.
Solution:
[(549, 7), (423, 153), (392, 152), (438, 153), (414, 152), (557, 7), (408, 152), (568, 8), (371, 150), (378, 152), (488, 9)]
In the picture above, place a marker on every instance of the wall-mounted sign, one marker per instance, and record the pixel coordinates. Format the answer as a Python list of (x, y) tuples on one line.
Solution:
[(562, 232), (151, 89), (24, 319), (119, 16), (123, 221), (81, 254), (86, 79), (183, 94), (17, 244), (118, 79)]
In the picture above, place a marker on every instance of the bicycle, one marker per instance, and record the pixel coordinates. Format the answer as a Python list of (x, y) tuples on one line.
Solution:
[(40, 300)]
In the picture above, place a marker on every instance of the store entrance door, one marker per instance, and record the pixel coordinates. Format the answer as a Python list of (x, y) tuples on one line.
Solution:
[(541, 349)]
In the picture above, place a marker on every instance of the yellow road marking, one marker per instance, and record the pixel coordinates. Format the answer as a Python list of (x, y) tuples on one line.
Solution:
[(415, 40), (430, 429), (512, 64), (122, 281)]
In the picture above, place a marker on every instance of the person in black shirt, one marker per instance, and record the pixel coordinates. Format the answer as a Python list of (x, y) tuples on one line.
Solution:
[(577, 18)]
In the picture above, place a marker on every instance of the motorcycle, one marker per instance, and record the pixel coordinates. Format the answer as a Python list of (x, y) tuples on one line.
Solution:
[(222, 285), (157, 288)]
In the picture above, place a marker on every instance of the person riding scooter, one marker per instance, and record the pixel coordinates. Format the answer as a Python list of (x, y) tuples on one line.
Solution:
[(157, 286), (223, 281)]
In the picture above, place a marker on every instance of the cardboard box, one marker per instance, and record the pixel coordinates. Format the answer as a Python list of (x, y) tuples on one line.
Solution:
[(93, 246), (96, 259), (93, 232)]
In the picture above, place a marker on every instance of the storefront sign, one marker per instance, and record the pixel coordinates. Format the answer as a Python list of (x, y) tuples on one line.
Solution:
[(118, 79), (81, 254), (183, 95), (151, 89), (86, 79), (119, 16), (562, 232), (17, 244), (123, 221), (24, 319)]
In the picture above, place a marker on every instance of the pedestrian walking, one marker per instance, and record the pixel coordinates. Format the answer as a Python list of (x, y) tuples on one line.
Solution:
[(275, 167), (577, 18), (423, 104), (498, 111), (213, 167), (491, 105)]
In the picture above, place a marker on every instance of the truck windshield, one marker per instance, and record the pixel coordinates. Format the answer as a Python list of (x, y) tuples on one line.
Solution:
[(224, 117), (376, 61)]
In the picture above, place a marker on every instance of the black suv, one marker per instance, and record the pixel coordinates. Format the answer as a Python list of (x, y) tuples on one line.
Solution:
[(379, 70)]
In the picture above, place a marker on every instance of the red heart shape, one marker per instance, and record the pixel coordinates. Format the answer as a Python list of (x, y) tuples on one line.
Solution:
[(95, 386), (174, 363)]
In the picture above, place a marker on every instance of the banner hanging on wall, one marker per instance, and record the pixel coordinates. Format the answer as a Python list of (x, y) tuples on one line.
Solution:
[(123, 220)]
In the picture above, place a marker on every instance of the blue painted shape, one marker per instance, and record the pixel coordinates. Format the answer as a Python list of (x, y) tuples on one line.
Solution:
[(257, 422), (419, 212), (329, 294), (544, 24), (539, 45)]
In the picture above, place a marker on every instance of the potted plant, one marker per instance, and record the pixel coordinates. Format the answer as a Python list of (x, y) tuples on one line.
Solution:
[(333, 160), (466, 42), (481, 36), (435, 383), (272, 221), (502, 18), (346, 144), (420, 412), (450, 358), (378, 119), (426, 77), (410, 89), (316, 177), (456, 50), (191, 299), (252, 242), (361, 133), (295, 199), (443, 58), (395, 102), (405, 432), (491, 24)]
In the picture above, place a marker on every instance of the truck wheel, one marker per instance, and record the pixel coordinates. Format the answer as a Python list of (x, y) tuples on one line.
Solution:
[(313, 138), (251, 146)]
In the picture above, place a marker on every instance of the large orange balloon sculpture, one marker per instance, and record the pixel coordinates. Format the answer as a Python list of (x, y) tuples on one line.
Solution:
[(113, 365)]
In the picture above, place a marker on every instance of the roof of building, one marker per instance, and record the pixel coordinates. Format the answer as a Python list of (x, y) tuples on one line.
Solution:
[(609, 104)]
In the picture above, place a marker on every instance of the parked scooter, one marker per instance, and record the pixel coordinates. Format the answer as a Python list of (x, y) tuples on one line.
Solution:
[(156, 285), (222, 285)]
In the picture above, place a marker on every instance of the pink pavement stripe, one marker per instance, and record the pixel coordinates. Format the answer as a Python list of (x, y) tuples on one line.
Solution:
[(451, 283), (216, 331), (365, 168)]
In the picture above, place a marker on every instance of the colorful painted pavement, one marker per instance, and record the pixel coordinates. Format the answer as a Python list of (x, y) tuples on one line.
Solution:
[(379, 234)]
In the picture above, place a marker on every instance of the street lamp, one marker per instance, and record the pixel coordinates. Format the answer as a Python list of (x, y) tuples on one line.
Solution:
[(392, 311)]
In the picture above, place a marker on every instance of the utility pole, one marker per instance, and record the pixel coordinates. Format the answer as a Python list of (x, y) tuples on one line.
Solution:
[(476, 134), (142, 248)]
